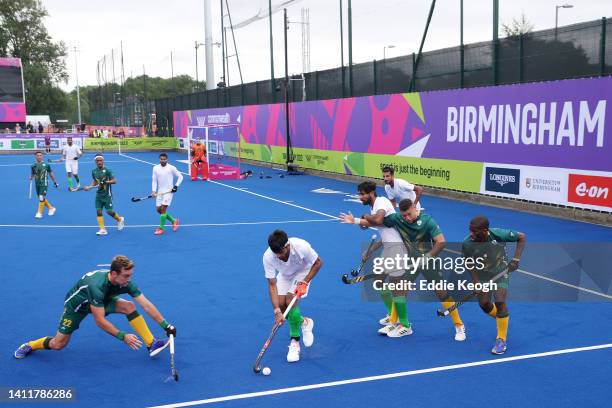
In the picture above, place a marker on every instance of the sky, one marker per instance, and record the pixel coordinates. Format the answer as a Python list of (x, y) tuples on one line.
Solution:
[(151, 30)]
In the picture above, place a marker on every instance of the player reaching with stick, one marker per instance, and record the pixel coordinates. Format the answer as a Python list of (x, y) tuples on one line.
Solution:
[(97, 292), (71, 154), (163, 189), (421, 233), (490, 245), (103, 178), (290, 264), (392, 244), (40, 172)]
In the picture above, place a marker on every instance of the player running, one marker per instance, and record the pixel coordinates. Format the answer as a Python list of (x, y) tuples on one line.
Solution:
[(71, 154), (199, 163), (103, 178), (490, 245), (398, 189), (163, 188), (290, 264), (40, 173), (97, 292), (418, 232), (47, 143), (392, 244)]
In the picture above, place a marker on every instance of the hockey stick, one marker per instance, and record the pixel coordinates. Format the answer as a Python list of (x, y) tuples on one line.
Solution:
[(137, 199), (54, 160), (173, 372), (356, 272), (361, 278), (257, 365), (448, 311), (30, 191)]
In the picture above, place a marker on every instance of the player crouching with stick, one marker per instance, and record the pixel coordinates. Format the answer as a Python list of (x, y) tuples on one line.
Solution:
[(97, 292), (290, 264)]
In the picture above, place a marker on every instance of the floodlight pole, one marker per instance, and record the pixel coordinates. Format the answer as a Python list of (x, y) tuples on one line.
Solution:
[(76, 73), (272, 81), (418, 57), (289, 159)]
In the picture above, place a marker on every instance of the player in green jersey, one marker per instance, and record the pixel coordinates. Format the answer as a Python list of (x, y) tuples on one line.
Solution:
[(489, 244), (103, 178), (97, 292), (40, 173), (422, 235)]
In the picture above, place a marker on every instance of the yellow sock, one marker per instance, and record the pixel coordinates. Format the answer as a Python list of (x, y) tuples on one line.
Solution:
[(40, 343), (454, 314), (140, 326), (46, 203), (502, 327), (40, 206), (493, 312), (393, 317), (100, 222), (117, 217)]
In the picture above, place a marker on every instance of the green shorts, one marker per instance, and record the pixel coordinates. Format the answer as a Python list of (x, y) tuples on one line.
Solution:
[(502, 283), (104, 201), (41, 189), (70, 321), (431, 275)]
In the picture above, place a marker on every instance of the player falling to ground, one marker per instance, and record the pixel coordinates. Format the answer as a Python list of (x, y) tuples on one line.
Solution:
[(199, 163), (490, 244), (392, 244), (71, 155), (418, 232), (40, 173), (103, 178), (163, 188), (97, 292), (397, 189), (290, 264)]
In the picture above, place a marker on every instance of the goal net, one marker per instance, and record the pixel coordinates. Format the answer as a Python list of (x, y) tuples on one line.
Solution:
[(221, 151)]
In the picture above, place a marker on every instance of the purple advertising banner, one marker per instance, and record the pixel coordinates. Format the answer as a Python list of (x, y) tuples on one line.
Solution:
[(40, 135), (548, 124)]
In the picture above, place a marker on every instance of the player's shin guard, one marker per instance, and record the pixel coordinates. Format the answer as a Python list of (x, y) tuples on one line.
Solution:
[(140, 326), (295, 322), (387, 298), (400, 306), (76, 177), (204, 170), (41, 205), (502, 321), (169, 217), (194, 171), (100, 220), (69, 182), (116, 217), (42, 343), (162, 220), (47, 204), (490, 309), (447, 304)]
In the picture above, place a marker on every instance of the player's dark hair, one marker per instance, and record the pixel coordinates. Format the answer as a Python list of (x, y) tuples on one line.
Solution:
[(405, 204), (277, 241), (480, 222), (366, 187), (36, 152), (121, 262), (163, 155), (388, 169)]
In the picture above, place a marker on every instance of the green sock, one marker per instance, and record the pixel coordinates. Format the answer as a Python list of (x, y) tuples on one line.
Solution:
[(295, 321), (387, 298), (400, 307), (70, 182), (169, 217), (162, 221), (77, 178)]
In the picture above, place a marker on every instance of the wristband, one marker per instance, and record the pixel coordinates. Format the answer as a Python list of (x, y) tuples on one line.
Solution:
[(357, 221), (516, 259), (277, 310), (164, 324), (120, 335)]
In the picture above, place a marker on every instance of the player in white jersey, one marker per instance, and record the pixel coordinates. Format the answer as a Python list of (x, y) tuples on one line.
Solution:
[(398, 189), (71, 155), (289, 265), (164, 187), (396, 323)]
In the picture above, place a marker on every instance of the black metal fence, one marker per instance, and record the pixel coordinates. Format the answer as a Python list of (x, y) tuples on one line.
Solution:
[(574, 51)]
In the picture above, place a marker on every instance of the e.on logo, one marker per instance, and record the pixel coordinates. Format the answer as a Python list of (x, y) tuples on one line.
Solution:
[(592, 190)]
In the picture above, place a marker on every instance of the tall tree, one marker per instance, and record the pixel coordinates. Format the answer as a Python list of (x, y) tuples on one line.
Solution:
[(23, 35)]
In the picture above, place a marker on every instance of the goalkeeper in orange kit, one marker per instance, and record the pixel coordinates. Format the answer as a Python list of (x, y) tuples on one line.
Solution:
[(199, 164)]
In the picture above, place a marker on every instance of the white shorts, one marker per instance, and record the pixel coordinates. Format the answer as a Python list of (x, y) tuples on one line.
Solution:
[(72, 166), (285, 285), (391, 250), (163, 199)]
